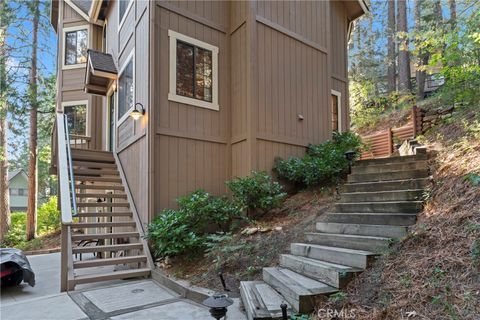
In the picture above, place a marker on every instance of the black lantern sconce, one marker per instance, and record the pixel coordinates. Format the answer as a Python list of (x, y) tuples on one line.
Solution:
[(350, 155), (137, 113), (218, 304)]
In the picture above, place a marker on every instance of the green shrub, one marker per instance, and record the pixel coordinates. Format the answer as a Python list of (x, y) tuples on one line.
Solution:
[(322, 163), (48, 217), (256, 192), (176, 231), (16, 234)]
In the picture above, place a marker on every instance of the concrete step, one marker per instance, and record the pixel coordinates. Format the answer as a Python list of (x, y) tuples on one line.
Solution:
[(109, 261), (387, 176), (297, 289), (123, 274), (396, 195), (396, 185), (402, 159), (386, 207), (348, 257), (362, 229), (335, 275), (349, 241), (378, 218), (261, 301), (400, 166)]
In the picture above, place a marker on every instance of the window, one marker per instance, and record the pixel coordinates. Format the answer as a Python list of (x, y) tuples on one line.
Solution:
[(193, 71), (126, 88), (21, 192), (75, 46), (13, 192), (76, 116), (123, 6), (336, 111)]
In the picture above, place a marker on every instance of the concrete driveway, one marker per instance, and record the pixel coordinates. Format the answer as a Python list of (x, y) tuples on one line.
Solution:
[(141, 299)]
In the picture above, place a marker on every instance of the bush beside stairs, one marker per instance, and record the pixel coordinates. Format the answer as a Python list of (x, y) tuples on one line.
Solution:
[(380, 200)]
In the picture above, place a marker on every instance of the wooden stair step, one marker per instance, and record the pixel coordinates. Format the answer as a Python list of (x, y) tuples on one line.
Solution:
[(98, 179), (261, 301), (106, 248), (104, 214), (79, 225), (298, 290), (113, 235), (92, 165), (92, 155), (335, 275), (99, 187), (103, 205), (100, 172), (124, 274), (109, 261), (102, 195)]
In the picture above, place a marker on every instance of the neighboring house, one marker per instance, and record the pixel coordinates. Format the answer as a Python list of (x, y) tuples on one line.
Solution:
[(433, 80), (225, 86), (18, 189)]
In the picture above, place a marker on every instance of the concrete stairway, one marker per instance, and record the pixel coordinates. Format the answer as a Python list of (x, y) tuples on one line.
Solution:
[(106, 243), (379, 202)]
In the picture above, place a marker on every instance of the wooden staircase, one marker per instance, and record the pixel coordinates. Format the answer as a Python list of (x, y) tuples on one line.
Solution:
[(105, 235), (379, 202)]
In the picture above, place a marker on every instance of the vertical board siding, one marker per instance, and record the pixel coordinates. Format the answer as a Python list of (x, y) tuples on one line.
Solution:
[(305, 18), (126, 29), (135, 165), (70, 15), (292, 80), (191, 143), (268, 151), (239, 83), (184, 165), (339, 25)]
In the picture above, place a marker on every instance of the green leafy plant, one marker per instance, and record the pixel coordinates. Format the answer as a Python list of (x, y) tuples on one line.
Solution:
[(256, 192), (322, 163), (473, 179), (48, 216), (176, 231)]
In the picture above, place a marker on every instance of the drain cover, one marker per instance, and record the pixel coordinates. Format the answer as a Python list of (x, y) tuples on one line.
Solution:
[(137, 290)]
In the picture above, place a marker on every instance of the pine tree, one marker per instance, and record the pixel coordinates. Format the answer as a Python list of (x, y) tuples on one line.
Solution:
[(405, 85), (34, 7), (391, 55)]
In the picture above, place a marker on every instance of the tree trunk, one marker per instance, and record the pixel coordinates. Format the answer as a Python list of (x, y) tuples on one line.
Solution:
[(453, 13), (405, 85), (4, 193), (423, 55), (391, 55), (33, 154)]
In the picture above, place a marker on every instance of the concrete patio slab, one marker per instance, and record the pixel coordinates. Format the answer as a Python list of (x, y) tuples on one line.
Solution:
[(56, 307), (172, 311), (127, 296)]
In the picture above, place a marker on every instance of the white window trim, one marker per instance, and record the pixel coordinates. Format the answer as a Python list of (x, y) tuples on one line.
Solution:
[(339, 109), (70, 29), (131, 57), (87, 115), (121, 22), (111, 91), (172, 95)]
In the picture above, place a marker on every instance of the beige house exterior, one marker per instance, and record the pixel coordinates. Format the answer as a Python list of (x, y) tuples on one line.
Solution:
[(225, 86)]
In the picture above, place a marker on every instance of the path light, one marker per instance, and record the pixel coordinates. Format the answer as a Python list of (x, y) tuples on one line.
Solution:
[(350, 155), (136, 113), (284, 307), (218, 304)]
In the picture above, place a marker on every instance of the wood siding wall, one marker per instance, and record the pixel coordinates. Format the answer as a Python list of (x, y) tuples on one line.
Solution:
[(70, 82)]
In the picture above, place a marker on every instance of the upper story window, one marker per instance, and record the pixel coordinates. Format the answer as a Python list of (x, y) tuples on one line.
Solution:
[(126, 88), (75, 47), (76, 112), (123, 7), (193, 71)]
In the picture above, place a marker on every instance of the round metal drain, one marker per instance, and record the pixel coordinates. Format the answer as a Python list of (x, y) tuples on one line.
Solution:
[(137, 290)]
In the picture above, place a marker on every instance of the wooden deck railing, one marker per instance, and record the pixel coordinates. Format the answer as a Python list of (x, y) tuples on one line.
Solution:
[(66, 205), (382, 144)]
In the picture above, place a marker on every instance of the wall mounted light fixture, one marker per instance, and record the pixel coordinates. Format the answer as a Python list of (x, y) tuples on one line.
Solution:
[(137, 113)]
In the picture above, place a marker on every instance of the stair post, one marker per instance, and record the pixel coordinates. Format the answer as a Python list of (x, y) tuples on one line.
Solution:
[(390, 141)]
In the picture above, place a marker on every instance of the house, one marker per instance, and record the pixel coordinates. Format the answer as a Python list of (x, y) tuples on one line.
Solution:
[(182, 95), (18, 189)]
